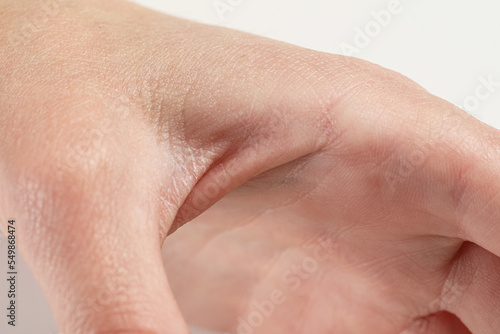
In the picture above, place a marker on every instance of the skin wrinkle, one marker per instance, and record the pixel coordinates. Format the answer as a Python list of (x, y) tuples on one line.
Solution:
[(322, 110), (250, 136), (463, 191), (269, 174), (492, 227), (451, 279), (414, 257), (215, 162), (291, 174)]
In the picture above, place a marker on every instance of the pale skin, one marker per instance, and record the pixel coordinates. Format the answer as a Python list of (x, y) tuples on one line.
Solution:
[(367, 204)]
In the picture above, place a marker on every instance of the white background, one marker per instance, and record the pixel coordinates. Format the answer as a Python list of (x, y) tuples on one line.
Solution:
[(445, 45)]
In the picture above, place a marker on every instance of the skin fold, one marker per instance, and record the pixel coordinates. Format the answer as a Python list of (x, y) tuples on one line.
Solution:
[(293, 191)]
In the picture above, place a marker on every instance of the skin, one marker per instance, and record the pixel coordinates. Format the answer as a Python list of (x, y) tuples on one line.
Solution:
[(365, 203)]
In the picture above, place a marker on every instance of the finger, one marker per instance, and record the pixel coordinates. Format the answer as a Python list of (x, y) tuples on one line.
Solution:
[(473, 191), (473, 289), (260, 122), (455, 176), (445, 323), (438, 323), (91, 238)]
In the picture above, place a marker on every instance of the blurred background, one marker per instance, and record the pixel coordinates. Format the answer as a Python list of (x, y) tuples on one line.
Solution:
[(451, 47)]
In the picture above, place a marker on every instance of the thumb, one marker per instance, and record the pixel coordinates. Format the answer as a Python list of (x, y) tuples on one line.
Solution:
[(90, 235)]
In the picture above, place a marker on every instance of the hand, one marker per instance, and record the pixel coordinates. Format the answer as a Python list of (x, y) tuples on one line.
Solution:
[(349, 200)]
